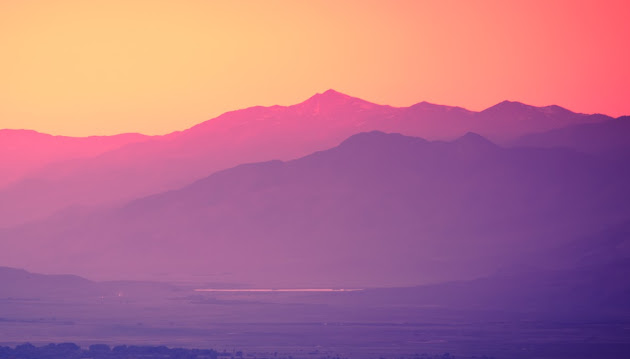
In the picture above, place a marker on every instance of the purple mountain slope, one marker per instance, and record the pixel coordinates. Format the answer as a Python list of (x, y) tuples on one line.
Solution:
[(607, 137), (611, 245), (379, 209), (580, 278), (570, 294), (252, 135)]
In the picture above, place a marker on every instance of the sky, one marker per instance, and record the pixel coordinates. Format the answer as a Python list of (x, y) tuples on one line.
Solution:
[(98, 67)]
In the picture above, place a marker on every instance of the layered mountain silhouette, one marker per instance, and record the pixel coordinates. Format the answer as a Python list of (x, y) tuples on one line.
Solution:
[(130, 166), (379, 209)]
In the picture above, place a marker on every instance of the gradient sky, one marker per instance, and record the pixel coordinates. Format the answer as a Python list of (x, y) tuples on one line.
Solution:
[(105, 67)]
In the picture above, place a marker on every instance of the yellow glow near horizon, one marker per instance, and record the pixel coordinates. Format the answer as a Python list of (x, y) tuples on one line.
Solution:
[(103, 67)]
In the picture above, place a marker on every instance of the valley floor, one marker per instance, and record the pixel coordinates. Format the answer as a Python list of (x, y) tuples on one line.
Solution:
[(307, 326)]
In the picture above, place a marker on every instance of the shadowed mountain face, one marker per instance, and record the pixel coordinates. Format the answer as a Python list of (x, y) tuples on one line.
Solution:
[(379, 209), (251, 135)]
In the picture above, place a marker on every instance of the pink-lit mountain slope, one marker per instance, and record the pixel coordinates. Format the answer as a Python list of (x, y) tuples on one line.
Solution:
[(251, 135), (23, 152), (379, 209)]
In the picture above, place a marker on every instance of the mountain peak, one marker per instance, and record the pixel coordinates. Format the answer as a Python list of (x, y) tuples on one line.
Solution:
[(515, 106), (333, 93), (557, 110), (434, 108), (507, 106), (474, 139), (329, 95), (372, 138), (426, 105), (333, 99)]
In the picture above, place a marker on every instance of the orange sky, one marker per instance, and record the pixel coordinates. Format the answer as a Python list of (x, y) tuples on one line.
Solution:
[(104, 67)]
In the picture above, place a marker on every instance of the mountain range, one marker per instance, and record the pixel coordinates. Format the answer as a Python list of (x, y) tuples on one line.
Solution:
[(377, 210), (334, 191), (44, 174)]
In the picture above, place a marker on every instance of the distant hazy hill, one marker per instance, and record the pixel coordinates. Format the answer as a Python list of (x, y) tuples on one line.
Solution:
[(611, 137), (22, 152), (19, 284)]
